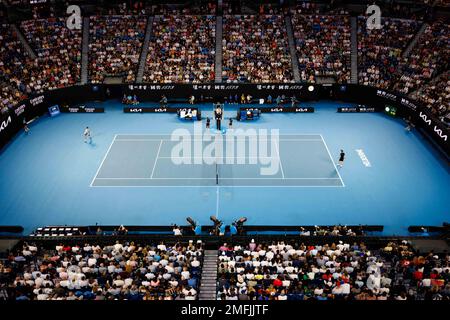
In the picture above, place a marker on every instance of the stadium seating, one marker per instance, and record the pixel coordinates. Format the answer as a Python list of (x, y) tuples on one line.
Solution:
[(255, 49), (97, 271), (436, 96), (323, 46), (58, 51), (12, 56), (429, 58), (115, 46), (330, 271), (181, 50), (379, 51)]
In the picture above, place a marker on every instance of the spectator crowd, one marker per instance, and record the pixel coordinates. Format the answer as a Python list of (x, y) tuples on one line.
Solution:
[(255, 49), (115, 46), (429, 57), (380, 50), (116, 271), (182, 50), (335, 271), (323, 46), (12, 55)]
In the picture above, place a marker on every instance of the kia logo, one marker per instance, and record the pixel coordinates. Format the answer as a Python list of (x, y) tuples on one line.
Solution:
[(440, 133), (4, 124), (425, 118)]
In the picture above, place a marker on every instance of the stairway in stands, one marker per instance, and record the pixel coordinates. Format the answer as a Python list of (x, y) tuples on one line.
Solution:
[(144, 51), (24, 41), (292, 48), (85, 52), (208, 283), (218, 62), (414, 41), (354, 51)]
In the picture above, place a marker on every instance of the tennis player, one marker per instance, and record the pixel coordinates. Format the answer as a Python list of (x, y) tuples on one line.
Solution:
[(87, 135), (341, 159)]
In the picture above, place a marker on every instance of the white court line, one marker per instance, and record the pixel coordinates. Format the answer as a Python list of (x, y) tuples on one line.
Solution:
[(169, 134), (212, 186), (201, 157), (217, 202), (279, 158), (104, 158), (156, 159), (328, 150), (206, 178), (132, 140)]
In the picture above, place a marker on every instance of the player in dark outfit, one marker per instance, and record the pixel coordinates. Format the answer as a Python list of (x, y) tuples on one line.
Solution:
[(341, 159), (218, 115)]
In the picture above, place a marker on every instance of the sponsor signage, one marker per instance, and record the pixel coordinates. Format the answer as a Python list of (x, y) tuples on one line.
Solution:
[(437, 130), (5, 123), (20, 109), (149, 110), (358, 109), (279, 87), (363, 158), (387, 95), (37, 101), (82, 109), (288, 109), (151, 87), (408, 104)]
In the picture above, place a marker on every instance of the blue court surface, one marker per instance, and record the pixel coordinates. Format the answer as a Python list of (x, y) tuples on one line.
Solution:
[(148, 161), (127, 175)]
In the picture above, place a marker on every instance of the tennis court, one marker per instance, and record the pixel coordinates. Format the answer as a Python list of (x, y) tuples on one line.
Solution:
[(143, 160)]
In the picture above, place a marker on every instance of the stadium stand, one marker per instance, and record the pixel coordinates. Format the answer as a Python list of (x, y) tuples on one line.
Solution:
[(380, 51), (429, 58), (255, 49), (330, 271), (181, 50), (12, 55), (103, 271), (58, 51), (323, 46), (436, 96), (114, 46)]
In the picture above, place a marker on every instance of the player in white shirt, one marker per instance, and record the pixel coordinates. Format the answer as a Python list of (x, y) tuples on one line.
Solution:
[(87, 135)]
